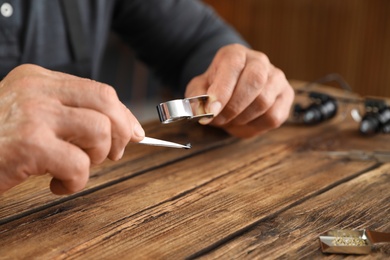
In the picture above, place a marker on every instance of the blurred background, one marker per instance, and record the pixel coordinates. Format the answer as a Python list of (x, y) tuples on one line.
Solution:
[(307, 39)]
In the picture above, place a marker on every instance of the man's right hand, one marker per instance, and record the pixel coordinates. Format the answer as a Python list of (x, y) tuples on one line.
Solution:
[(59, 124)]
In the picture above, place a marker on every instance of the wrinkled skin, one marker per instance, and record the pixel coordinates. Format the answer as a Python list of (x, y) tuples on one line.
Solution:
[(59, 124), (248, 95)]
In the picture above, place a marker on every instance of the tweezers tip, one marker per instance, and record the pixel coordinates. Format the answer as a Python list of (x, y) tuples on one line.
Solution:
[(188, 146)]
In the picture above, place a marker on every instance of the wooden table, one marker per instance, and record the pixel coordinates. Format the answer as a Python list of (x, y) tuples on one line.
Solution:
[(266, 197)]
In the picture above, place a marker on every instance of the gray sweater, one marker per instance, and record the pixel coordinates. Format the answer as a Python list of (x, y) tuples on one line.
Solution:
[(176, 38)]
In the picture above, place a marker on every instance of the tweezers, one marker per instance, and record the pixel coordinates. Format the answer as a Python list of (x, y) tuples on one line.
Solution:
[(379, 156), (158, 142)]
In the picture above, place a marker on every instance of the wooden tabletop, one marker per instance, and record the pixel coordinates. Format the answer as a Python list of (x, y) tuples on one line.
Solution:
[(265, 197)]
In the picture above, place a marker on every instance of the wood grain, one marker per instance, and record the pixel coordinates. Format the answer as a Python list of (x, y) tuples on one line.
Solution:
[(34, 194), (265, 197), (356, 204), (184, 208)]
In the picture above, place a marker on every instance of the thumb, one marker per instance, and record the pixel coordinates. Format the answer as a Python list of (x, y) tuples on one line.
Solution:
[(197, 86), (213, 106), (200, 86)]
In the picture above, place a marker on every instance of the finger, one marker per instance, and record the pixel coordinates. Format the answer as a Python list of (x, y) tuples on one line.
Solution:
[(70, 173), (78, 92), (255, 76), (67, 163), (35, 149), (103, 98), (223, 75), (273, 118), (196, 87), (87, 129), (275, 86)]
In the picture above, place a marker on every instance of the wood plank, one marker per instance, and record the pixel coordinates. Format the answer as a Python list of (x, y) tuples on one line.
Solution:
[(363, 202), (182, 208), (35, 194)]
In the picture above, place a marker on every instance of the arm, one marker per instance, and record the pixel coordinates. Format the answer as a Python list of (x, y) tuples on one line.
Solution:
[(177, 39), (189, 46)]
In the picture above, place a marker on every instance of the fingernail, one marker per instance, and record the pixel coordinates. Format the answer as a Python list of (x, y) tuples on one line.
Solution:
[(215, 108), (120, 155), (138, 131), (205, 120)]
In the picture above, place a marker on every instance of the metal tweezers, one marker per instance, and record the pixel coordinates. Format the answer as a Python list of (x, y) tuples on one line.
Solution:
[(158, 142), (379, 156)]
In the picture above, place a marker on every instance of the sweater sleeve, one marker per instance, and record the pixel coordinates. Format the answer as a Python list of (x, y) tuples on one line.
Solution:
[(177, 39)]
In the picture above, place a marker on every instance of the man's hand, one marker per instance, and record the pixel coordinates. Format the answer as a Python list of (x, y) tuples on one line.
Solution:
[(248, 95), (59, 124)]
